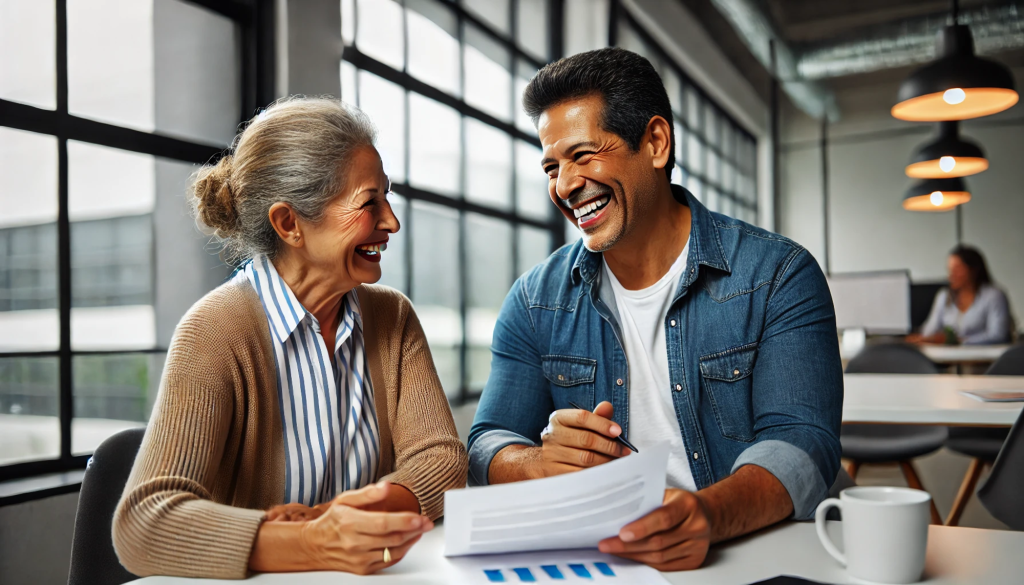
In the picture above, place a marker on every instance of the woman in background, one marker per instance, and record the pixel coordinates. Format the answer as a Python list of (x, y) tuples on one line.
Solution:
[(972, 311)]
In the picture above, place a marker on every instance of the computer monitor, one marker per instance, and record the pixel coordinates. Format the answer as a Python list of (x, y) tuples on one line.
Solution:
[(878, 302)]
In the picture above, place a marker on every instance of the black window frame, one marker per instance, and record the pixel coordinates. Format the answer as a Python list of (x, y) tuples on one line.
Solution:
[(255, 19)]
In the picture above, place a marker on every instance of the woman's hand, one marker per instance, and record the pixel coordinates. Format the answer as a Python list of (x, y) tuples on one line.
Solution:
[(295, 513)]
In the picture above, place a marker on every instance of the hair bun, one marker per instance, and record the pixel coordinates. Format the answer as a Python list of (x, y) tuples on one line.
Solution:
[(213, 199)]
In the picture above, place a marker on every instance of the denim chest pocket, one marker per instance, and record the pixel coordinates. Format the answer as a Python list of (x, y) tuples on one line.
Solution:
[(729, 386), (575, 374)]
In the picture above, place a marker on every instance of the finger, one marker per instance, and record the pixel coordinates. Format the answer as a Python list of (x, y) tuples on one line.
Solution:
[(395, 539), (655, 542), (660, 520), (585, 440), (366, 496), (605, 409), (582, 459), (584, 419), (681, 557), (381, 523), (397, 553)]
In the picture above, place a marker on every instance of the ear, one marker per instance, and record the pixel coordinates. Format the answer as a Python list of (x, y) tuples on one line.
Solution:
[(285, 222), (659, 141)]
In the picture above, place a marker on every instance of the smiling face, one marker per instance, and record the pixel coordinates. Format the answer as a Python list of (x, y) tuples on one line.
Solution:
[(594, 178), (348, 241)]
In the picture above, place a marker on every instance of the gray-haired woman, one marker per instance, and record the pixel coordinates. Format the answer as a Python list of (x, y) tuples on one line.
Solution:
[(300, 423)]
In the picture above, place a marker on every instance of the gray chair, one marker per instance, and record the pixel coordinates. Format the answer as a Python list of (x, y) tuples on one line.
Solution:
[(1001, 494), (891, 444), (93, 560), (981, 444)]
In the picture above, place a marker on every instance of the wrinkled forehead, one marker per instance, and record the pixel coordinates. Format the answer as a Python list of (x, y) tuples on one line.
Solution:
[(570, 122)]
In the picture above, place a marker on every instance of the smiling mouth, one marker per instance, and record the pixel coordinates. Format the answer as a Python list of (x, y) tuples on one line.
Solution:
[(372, 252), (589, 211)]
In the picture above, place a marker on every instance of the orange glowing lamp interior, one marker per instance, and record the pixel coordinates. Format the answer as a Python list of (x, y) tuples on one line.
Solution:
[(961, 166), (974, 103), (937, 201)]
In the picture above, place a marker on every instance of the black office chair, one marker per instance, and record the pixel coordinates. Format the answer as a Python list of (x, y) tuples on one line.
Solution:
[(899, 444), (1001, 494), (982, 444), (93, 560)]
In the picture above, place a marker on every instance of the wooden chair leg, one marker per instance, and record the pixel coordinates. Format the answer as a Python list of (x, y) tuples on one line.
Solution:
[(966, 491), (852, 466), (915, 482)]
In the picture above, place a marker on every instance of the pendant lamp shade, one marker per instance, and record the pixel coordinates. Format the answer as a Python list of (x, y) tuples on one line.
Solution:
[(947, 156), (936, 195), (956, 86)]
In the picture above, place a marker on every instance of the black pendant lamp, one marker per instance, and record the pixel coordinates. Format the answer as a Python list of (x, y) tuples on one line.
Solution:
[(956, 86), (936, 195), (947, 156)]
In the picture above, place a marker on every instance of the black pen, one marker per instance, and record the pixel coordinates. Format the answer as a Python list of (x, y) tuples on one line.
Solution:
[(622, 441)]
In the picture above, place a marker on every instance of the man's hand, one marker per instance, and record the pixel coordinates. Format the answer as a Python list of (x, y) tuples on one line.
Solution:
[(675, 537), (578, 439)]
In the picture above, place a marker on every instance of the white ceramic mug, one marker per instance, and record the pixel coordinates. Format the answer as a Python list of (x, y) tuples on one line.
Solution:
[(885, 532)]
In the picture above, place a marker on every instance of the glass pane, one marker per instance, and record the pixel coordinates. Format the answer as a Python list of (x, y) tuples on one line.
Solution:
[(111, 198), (694, 185), (29, 409), (434, 145), (436, 281), (348, 21), (384, 103), (28, 71), (710, 124), (393, 261), (532, 28), (694, 155), (628, 39), (693, 108), (112, 393), (488, 165), (488, 81), (712, 171), (29, 319), (348, 84), (532, 195), (728, 177), (674, 88), (572, 233), (168, 66), (433, 47), (680, 141), (489, 253), (533, 247), (379, 31), (524, 73), (493, 12)]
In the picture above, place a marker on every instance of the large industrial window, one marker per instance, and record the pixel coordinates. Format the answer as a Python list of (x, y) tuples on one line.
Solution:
[(106, 107), (442, 81)]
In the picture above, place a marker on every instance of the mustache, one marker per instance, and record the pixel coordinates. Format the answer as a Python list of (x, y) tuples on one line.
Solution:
[(586, 193)]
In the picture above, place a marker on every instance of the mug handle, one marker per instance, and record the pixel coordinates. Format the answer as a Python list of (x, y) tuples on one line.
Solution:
[(819, 523)]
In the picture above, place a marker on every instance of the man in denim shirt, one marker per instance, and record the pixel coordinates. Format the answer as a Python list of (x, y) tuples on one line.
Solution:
[(668, 321)]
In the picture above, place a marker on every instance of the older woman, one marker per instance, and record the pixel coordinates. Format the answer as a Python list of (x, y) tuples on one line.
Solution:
[(300, 423)]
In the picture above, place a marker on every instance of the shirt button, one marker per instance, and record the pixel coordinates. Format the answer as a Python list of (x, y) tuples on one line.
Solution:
[(679, 387), (695, 456), (618, 382), (672, 323), (735, 372), (560, 377)]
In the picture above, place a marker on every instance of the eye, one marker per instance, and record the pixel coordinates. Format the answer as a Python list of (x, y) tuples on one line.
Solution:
[(550, 168), (580, 154)]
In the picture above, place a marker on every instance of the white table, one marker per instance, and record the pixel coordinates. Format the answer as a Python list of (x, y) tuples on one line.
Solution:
[(927, 399), (963, 354), (955, 556)]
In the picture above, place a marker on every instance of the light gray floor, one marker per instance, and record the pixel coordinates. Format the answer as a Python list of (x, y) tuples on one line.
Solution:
[(940, 472)]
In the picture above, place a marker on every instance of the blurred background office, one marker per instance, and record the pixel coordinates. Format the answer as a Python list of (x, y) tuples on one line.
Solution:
[(782, 118)]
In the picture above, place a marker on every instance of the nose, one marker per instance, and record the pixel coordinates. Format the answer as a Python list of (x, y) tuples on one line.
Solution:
[(568, 182), (388, 222)]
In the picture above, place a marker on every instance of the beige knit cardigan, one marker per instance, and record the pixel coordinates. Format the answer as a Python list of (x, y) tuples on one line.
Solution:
[(212, 460)]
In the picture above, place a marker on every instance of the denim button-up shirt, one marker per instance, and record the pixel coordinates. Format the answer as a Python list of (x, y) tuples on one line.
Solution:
[(753, 355)]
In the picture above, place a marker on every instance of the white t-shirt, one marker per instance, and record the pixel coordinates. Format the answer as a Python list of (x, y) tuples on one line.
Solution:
[(652, 415)]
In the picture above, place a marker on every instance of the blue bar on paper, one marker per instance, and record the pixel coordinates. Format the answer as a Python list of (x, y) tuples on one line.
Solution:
[(581, 571), (525, 575), (553, 572), (605, 569), (494, 575)]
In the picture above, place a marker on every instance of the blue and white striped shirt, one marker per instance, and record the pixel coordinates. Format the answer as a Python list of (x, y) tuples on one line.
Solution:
[(331, 436)]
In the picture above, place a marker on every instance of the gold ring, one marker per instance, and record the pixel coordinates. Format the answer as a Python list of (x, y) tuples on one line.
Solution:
[(387, 555)]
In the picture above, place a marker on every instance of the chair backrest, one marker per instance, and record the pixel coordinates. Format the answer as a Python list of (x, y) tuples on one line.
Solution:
[(891, 358), (93, 560), (1001, 494), (1011, 363)]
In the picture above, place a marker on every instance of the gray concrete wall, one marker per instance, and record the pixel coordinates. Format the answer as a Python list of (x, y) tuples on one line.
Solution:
[(35, 541)]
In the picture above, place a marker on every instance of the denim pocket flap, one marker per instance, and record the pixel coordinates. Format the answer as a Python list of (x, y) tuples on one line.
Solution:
[(729, 365), (566, 370)]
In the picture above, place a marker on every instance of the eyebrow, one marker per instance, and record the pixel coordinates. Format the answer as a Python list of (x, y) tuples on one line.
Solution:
[(570, 150)]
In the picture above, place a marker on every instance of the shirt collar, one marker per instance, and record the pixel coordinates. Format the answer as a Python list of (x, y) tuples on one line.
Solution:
[(705, 244)]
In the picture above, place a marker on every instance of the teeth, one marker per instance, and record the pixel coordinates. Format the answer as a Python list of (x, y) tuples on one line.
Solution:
[(590, 207)]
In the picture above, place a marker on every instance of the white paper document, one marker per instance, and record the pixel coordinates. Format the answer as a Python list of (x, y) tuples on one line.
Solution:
[(575, 510), (564, 566)]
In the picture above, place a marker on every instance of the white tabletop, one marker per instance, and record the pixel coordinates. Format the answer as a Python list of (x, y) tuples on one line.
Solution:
[(955, 556), (927, 399), (958, 354)]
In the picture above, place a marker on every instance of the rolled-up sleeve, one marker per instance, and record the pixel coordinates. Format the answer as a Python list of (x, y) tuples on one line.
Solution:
[(516, 401), (798, 387)]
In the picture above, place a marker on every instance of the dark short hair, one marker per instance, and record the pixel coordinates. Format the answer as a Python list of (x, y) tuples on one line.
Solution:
[(632, 90), (975, 262)]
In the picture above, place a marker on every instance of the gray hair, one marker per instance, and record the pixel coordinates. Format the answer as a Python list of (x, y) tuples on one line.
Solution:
[(297, 152)]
